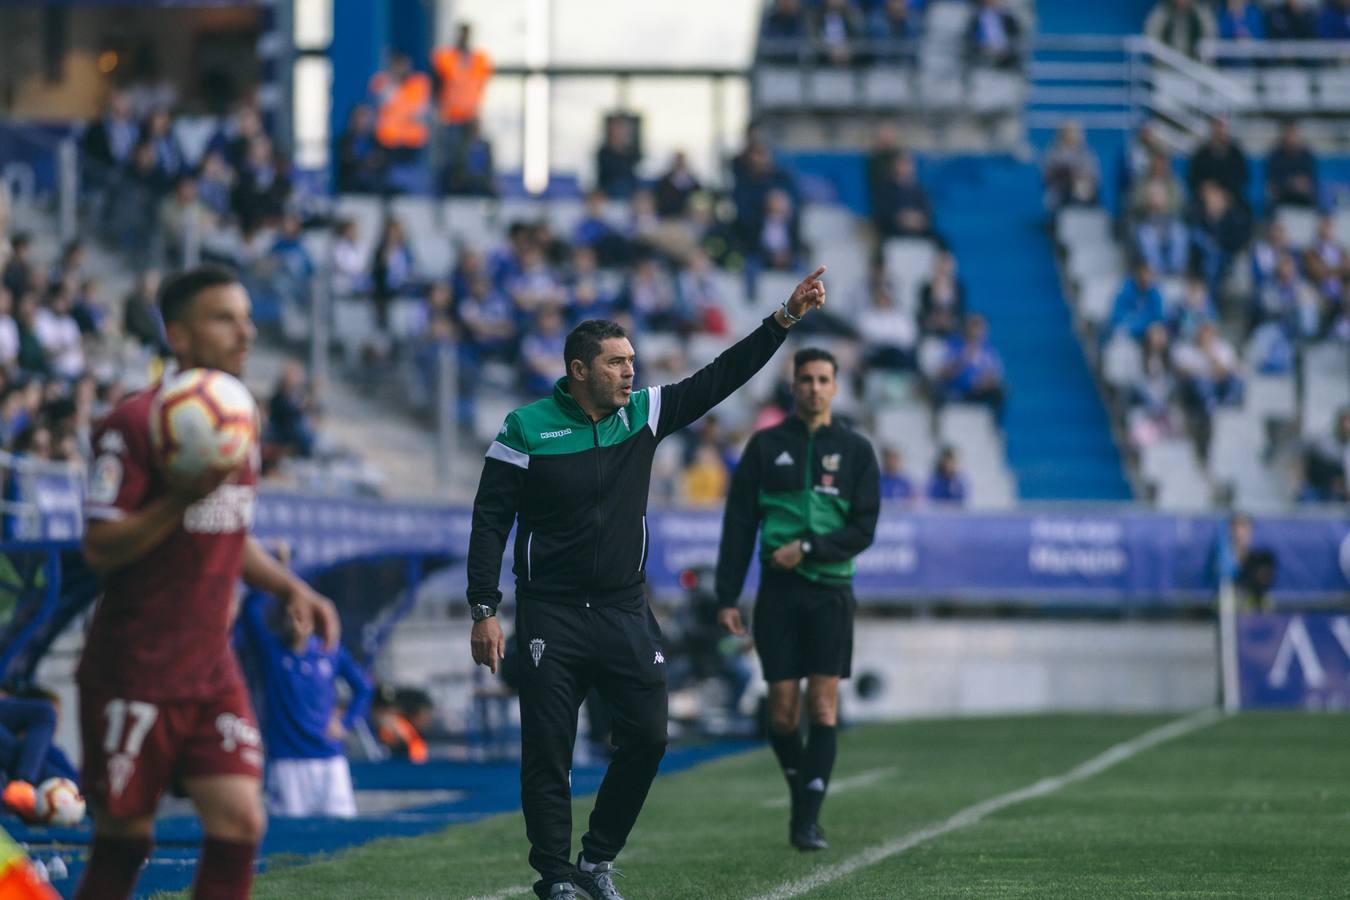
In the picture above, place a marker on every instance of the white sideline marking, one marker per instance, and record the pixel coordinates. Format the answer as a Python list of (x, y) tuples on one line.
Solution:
[(509, 892), (852, 782), (973, 814)]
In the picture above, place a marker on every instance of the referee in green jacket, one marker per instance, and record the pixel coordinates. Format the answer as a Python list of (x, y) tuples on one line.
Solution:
[(571, 472), (811, 488)]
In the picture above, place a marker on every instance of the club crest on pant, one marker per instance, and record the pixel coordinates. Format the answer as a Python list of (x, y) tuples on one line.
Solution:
[(536, 650)]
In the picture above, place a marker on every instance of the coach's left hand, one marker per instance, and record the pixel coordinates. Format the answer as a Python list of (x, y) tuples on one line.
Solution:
[(304, 601), (788, 556)]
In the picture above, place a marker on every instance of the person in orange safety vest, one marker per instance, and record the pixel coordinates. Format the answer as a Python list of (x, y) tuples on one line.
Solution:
[(403, 102)]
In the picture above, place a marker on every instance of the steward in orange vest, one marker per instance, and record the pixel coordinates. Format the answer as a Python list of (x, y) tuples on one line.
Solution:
[(463, 75), (403, 99)]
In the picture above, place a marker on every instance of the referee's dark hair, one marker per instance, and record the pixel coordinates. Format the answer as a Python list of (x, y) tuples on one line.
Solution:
[(810, 355), (585, 340), (178, 292)]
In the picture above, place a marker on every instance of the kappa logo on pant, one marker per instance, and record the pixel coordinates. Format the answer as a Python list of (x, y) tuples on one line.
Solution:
[(536, 650), (660, 658)]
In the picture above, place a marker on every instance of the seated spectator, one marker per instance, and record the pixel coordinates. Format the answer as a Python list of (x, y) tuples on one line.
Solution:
[(1161, 238), (289, 412), (536, 287), (594, 230), (1136, 157), (1291, 170), (469, 171), (1266, 255), (215, 185), (942, 299), (360, 162), (141, 319), (1138, 305), (1241, 20), (135, 202), (587, 297), (169, 159), (392, 268), (399, 717), (891, 26), (1291, 20), (71, 265), (755, 174), (675, 187), (1334, 22), (651, 299), (616, 160), (947, 485), (895, 481), (1181, 25), (700, 293), (261, 191), (994, 36), (88, 309), (504, 262), (783, 32), (107, 143), (18, 277), (1288, 300), (1208, 370), (835, 26), (347, 262), (1221, 161), (1070, 171), (1155, 391), (881, 158), (9, 336), (1326, 464), (1157, 178), (489, 324), (1220, 231), (706, 477), (973, 372), (183, 219), (1196, 309), (889, 334), (32, 355), (780, 241), (540, 351), (60, 335), (1339, 327), (902, 209)]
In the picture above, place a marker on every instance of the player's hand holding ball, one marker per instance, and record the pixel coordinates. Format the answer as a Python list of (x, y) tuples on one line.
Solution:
[(203, 427)]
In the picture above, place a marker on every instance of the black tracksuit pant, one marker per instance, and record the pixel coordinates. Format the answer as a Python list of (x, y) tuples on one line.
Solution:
[(564, 651)]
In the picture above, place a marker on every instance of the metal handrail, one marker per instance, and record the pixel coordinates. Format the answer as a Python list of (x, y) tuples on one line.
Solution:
[(1198, 72), (1211, 48)]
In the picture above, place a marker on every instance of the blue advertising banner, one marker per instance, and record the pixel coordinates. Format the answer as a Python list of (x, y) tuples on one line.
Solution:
[(1107, 558), (1297, 661)]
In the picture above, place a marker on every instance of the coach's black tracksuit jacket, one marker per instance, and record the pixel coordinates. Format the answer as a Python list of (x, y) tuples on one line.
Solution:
[(579, 488)]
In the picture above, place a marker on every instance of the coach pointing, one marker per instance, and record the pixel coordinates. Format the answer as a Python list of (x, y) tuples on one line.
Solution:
[(572, 472)]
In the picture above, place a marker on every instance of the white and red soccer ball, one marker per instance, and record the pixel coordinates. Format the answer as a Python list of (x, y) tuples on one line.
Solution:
[(203, 419), (57, 801)]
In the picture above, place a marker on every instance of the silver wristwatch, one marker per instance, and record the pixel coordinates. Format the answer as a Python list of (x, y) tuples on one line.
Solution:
[(806, 548), (480, 611)]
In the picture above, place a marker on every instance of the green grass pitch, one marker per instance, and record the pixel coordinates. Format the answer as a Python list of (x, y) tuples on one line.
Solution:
[(1252, 806)]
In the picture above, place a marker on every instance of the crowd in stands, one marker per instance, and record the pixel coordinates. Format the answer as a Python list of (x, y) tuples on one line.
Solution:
[(1215, 290), (851, 33), (1184, 24)]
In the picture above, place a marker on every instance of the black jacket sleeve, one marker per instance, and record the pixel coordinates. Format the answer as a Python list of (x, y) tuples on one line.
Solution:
[(688, 400), (861, 528), (494, 512), (740, 524)]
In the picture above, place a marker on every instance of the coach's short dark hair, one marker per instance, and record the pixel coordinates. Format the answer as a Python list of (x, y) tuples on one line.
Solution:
[(178, 292), (584, 341), (810, 355)]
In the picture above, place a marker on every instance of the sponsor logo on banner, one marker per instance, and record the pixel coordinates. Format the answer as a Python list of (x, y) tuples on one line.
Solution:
[(1294, 661)]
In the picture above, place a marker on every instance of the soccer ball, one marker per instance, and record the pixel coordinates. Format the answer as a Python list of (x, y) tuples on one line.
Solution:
[(203, 419), (58, 802)]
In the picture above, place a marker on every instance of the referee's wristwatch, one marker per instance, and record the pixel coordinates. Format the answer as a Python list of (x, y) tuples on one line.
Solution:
[(806, 548), (480, 611)]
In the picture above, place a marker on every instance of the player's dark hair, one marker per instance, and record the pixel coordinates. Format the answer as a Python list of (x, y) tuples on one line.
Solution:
[(178, 292), (810, 355), (585, 340)]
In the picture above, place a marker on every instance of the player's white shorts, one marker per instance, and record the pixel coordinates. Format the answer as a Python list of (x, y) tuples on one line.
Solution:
[(310, 787)]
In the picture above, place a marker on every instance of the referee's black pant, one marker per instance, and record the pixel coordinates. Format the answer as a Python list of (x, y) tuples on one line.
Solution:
[(564, 651)]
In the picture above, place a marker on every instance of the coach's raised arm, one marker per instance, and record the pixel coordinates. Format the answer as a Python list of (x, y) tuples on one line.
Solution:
[(676, 405)]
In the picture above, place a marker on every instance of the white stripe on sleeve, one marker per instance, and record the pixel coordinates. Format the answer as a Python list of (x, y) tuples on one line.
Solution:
[(500, 451), (653, 408)]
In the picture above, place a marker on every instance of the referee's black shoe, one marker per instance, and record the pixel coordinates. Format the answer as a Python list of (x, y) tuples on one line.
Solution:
[(597, 884), (809, 836)]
